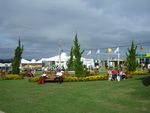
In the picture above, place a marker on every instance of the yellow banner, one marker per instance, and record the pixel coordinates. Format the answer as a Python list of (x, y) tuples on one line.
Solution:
[(109, 50)]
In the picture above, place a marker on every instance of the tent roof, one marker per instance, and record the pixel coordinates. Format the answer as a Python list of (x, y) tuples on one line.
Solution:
[(24, 61), (63, 57)]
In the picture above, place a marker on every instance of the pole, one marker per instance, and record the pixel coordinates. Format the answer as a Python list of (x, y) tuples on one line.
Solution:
[(108, 60), (60, 59), (99, 62), (118, 60)]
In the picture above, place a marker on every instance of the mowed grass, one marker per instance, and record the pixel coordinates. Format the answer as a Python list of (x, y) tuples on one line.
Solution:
[(128, 96)]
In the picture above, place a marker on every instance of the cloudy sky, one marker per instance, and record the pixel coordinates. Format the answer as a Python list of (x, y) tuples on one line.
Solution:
[(44, 26)]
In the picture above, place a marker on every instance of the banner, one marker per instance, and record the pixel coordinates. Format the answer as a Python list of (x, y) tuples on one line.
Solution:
[(109, 50), (98, 51), (89, 52), (116, 50)]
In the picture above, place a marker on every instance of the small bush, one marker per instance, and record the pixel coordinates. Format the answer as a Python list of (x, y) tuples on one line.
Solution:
[(12, 77), (138, 73), (88, 78), (34, 79)]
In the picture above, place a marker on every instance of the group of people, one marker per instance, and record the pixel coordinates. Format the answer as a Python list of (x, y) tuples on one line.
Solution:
[(58, 77), (31, 73), (115, 74)]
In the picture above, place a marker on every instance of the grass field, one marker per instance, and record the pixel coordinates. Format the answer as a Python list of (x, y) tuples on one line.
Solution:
[(128, 96)]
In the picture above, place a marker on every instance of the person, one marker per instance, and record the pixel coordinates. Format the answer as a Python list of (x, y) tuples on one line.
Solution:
[(148, 67), (109, 74), (59, 77), (114, 74), (42, 78), (122, 75), (30, 73)]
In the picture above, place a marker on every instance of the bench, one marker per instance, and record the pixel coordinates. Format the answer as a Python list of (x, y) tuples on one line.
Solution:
[(50, 78)]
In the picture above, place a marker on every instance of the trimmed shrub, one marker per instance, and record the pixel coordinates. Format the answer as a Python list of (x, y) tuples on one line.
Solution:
[(12, 77), (88, 78), (138, 73), (34, 79)]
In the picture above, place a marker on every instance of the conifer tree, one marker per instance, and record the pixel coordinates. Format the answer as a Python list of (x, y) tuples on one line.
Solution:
[(131, 58), (70, 62), (17, 58), (78, 64)]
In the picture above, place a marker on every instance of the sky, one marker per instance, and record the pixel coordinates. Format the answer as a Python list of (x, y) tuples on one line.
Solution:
[(47, 26)]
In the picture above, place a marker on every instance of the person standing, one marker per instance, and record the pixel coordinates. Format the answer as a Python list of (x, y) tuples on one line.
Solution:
[(109, 72), (148, 67)]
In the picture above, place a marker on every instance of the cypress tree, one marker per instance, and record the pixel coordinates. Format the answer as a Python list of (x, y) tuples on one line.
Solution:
[(78, 64), (131, 58), (17, 58), (70, 62)]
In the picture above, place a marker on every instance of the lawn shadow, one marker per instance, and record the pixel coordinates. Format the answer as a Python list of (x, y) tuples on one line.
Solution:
[(145, 80)]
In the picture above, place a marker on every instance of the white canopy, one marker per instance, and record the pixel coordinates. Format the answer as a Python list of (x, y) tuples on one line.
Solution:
[(5, 64), (24, 61), (33, 61), (62, 57)]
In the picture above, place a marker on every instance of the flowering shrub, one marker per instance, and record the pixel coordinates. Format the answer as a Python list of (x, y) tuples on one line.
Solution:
[(34, 79), (12, 77), (137, 73), (88, 78)]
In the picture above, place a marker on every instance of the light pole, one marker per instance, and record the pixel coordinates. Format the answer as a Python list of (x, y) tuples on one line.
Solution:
[(60, 58)]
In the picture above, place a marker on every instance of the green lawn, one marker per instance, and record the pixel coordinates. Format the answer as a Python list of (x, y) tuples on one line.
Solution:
[(128, 96)]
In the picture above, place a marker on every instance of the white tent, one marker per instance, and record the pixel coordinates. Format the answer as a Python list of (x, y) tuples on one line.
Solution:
[(5, 64), (64, 58), (59, 60), (24, 61), (88, 62)]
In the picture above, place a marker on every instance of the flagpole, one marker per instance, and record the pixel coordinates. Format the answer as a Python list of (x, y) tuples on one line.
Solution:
[(98, 53), (108, 61), (118, 56)]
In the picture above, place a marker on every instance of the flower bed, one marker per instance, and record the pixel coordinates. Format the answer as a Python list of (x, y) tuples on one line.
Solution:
[(34, 79), (88, 78), (138, 73), (12, 77)]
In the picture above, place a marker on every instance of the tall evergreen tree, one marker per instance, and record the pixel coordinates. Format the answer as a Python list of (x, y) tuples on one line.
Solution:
[(70, 62), (78, 64), (131, 58), (17, 58)]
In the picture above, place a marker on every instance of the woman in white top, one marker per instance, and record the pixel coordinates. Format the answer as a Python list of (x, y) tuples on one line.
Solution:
[(59, 77)]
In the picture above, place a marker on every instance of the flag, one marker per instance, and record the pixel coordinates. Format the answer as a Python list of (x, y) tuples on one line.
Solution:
[(89, 52), (109, 50), (98, 51), (116, 50)]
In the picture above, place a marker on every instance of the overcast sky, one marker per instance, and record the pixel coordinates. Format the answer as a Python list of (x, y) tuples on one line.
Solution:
[(44, 26)]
